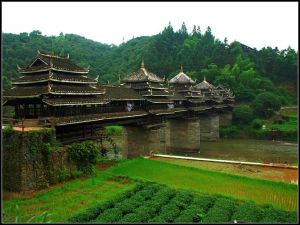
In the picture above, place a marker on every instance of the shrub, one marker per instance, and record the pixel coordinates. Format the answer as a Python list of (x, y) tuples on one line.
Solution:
[(84, 155), (76, 173), (204, 202), (221, 212), (89, 214), (265, 105), (63, 174), (110, 216), (130, 218), (274, 215), (169, 212), (257, 123), (242, 115), (248, 212), (228, 131)]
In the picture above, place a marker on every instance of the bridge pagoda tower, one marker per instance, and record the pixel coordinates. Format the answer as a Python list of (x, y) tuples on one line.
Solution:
[(151, 87), (51, 87)]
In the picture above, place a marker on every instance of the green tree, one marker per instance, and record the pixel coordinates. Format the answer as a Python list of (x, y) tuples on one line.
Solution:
[(242, 115), (265, 105)]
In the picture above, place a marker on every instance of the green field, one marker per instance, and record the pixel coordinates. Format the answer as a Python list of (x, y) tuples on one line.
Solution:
[(153, 203), (74, 197), (65, 200), (197, 180)]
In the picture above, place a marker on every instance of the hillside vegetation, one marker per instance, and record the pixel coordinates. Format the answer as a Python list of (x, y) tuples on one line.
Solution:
[(248, 72)]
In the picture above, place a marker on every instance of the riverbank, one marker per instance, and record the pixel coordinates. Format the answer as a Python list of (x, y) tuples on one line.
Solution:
[(268, 173)]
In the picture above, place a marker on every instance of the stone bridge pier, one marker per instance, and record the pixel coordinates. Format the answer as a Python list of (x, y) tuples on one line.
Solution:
[(182, 135), (141, 140), (209, 127)]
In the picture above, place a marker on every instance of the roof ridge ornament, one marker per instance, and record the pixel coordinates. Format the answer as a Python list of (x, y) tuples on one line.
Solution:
[(204, 79), (68, 56), (142, 64), (38, 51), (18, 67), (97, 78), (181, 69)]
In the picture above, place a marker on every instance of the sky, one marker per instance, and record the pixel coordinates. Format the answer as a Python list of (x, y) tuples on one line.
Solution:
[(256, 24)]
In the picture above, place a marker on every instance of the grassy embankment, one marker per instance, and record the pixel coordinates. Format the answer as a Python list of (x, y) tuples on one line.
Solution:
[(279, 194), (63, 200)]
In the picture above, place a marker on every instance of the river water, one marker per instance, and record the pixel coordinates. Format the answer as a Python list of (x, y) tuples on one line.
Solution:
[(245, 150), (249, 150)]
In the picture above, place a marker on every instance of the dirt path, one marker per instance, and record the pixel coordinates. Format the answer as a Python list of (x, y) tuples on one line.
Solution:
[(268, 173)]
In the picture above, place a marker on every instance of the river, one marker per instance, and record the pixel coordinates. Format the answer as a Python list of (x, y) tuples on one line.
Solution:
[(250, 150), (246, 150)]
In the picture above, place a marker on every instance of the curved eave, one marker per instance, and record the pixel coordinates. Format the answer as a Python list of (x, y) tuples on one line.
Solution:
[(53, 68), (76, 93), (29, 96), (30, 82), (137, 81), (70, 81), (79, 103), (157, 95), (157, 102)]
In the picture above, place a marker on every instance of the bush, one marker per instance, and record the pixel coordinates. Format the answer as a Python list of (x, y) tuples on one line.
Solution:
[(274, 215), (63, 174), (248, 212), (265, 105), (110, 216), (257, 123), (221, 212), (242, 115), (76, 173), (84, 155), (204, 202), (227, 131)]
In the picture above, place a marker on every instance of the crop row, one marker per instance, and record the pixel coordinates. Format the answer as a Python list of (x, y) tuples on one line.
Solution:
[(150, 202)]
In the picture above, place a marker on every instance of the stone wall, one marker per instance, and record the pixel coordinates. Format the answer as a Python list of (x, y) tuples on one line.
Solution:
[(31, 160)]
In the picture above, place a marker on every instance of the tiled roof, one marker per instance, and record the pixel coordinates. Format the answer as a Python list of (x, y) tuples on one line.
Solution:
[(204, 85), (159, 100), (53, 76), (142, 75), (74, 101), (23, 92), (181, 78), (34, 91), (49, 60), (120, 93), (155, 92)]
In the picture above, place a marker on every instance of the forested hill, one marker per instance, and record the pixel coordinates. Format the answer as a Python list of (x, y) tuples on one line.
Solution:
[(246, 71)]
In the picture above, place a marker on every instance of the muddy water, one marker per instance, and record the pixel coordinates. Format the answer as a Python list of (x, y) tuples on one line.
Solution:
[(231, 149), (246, 150)]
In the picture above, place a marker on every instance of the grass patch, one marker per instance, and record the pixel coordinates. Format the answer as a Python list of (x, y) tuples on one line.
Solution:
[(114, 129), (278, 194), (65, 200)]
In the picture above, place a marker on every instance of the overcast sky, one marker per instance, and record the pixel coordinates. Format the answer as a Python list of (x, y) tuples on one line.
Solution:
[(255, 24)]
